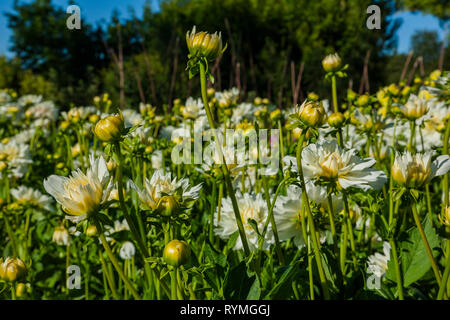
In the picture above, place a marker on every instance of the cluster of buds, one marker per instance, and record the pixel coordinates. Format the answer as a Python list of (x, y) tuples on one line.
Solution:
[(12, 269), (110, 128), (176, 253)]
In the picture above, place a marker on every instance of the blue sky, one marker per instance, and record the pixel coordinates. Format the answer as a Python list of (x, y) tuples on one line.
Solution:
[(95, 10)]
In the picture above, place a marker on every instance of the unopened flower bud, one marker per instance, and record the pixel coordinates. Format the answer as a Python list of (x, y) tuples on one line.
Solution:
[(61, 236), (210, 92), (331, 63), (204, 44), (91, 231), (363, 100), (111, 165), (167, 205), (21, 290), (176, 253), (12, 269), (313, 96), (406, 91), (111, 128), (93, 118), (73, 115), (445, 217), (351, 95), (275, 115), (336, 120), (64, 125), (393, 89), (311, 113)]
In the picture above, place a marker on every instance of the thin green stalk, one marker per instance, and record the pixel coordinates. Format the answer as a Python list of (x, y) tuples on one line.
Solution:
[(430, 212), (226, 173), (444, 279), (323, 280), (11, 235), (445, 151), (350, 227), (13, 291), (331, 216), (173, 285), (110, 281), (310, 272), (411, 145), (425, 242), (114, 262), (334, 93), (211, 214), (134, 231), (397, 269), (272, 221), (343, 249)]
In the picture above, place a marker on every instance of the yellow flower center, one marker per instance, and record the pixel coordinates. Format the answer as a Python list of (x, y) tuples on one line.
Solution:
[(330, 166)]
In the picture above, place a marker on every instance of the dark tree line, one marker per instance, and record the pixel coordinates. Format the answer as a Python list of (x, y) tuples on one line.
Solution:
[(144, 57)]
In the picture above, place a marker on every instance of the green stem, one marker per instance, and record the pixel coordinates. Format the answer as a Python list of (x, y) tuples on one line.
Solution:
[(111, 284), (425, 242), (11, 235), (323, 280), (272, 221), (173, 285), (134, 231), (226, 173), (13, 291), (411, 145), (445, 151), (444, 279), (334, 93), (397, 269), (350, 228), (430, 212), (114, 261)]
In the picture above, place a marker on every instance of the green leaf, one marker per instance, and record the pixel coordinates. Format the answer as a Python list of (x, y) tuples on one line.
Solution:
[(237, 283), (255, 290), (232, 240), (215, 256), (414, 258)]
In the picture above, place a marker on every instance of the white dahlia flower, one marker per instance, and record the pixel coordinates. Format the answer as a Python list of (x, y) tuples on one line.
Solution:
[(81, 193)]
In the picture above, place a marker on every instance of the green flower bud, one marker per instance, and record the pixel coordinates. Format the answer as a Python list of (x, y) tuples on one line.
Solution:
[(336, 120), (21, 290), (111, 128), (311, 113), (12, 269), (168, 206), (176, 253)]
